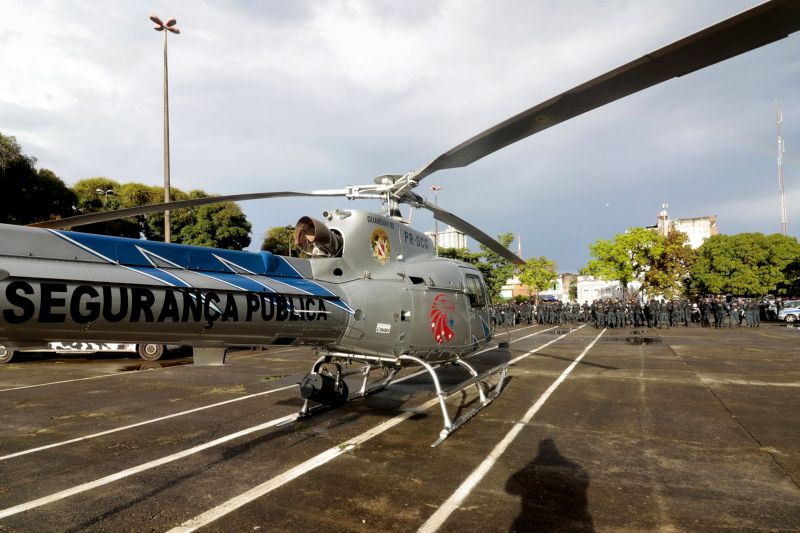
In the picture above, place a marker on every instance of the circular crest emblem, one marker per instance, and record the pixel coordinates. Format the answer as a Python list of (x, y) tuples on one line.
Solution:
[(379, 245)]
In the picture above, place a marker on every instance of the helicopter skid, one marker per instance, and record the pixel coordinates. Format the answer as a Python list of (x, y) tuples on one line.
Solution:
[(369, 364), (479, 380), (393, 365)]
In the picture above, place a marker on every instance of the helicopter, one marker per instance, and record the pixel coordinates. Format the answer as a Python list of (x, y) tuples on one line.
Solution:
[(371, 293)]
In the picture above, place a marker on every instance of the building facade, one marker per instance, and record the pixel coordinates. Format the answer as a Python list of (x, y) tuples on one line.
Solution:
[(558, 290), (697, 229), (591, 289), (449, 238)]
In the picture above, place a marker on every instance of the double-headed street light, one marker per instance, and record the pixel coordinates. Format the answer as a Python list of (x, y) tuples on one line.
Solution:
[(105, 193), (169, 25)]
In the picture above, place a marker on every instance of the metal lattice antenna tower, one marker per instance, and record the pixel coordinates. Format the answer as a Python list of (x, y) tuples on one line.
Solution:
[(781, 150)]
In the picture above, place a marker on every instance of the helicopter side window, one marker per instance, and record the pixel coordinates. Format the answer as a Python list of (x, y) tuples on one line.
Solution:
[(475, 293)]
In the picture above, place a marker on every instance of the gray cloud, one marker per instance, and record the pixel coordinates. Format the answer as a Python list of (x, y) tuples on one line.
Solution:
[(278, 95)]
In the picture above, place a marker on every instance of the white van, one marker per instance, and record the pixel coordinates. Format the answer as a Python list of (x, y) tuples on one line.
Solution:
[(148, 352)]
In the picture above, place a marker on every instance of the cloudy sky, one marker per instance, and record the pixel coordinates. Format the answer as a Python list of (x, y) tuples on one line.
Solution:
[(278, 95)]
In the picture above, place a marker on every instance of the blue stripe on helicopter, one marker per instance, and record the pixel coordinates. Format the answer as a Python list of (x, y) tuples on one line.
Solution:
[(162, 275), (238, 281), (205, 261), (128, 252)]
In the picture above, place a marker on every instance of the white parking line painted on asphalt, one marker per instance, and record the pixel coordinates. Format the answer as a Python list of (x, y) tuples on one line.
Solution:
[(72, 380), (265, 488), (182, 413), (136, 372), (27, 506), (293, 473), (268, 352), (123, 373), (298, 470), (438, 518), (143, 423)]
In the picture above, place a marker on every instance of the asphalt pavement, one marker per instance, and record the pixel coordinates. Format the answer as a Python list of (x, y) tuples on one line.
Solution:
[(682, 429)]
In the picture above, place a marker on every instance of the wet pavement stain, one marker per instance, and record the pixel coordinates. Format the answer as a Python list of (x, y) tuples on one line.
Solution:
[(563, 331), (642, 340)]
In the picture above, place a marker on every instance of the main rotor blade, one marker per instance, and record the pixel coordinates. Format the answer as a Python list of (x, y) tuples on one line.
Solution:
[(467, 228), (760, 25), (105, 216)]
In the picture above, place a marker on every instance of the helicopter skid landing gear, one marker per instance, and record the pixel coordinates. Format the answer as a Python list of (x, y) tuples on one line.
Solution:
[(328, 389), (484, 398)]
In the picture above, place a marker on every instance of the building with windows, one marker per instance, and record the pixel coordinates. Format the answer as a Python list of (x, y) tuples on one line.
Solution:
[(449, 238), (514, 287), (558, 290), (697, 229), (591, 289)]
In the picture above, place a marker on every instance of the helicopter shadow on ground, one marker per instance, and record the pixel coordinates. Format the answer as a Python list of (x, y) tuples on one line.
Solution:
[(553, 491)]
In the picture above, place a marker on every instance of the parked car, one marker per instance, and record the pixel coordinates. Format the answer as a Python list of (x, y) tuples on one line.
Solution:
[(790, 312), (148, 352)]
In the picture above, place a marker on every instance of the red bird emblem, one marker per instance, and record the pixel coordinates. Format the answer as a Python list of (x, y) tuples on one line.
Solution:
[(441, 323)]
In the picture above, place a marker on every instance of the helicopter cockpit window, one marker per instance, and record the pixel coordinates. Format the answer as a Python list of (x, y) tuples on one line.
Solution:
[(475, 292)]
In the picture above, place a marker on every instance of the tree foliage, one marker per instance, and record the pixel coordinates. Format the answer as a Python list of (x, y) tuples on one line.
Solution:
[(499, 269), (749, 264), (626, 257), (222, 225), (104, 194), (791, 287), (669, 264), (495, 269), (280, 240), (538, 272), (26, 194)]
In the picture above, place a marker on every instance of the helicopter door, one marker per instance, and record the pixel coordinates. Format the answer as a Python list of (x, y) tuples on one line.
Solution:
[(478, 310)]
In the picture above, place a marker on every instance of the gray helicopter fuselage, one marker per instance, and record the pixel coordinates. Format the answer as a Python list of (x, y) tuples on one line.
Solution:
[(384, 294)]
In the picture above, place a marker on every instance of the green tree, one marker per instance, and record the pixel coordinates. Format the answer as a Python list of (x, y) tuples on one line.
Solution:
[(791, 287), (93, 196), (538, 273), (749, 264), (222, 225), (625, 258), (573, 291), (217, 225), (669, 265), (476, 259), (280, 241), (495, 269), (28, 195)]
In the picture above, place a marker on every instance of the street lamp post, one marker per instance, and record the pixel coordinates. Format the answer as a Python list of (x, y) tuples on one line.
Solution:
[(436, 189), (105, 193), (170, 27)]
